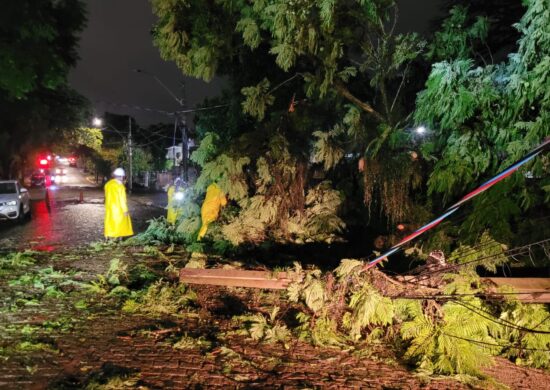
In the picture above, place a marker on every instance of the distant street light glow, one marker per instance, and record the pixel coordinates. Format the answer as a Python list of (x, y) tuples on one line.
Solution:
[(97, 122), (420, 130)]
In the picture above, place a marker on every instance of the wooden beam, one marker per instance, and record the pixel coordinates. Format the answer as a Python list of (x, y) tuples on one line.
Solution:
[(235, 278), (531, 290)]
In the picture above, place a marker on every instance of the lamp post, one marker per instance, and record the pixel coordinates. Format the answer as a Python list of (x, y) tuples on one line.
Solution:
[(98, 122)]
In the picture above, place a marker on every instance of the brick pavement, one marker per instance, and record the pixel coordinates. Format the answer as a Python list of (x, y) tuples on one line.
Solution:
[(102, 342), (113, 344)]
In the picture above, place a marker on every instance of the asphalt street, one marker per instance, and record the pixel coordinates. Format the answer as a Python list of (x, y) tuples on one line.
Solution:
[(70, 213)]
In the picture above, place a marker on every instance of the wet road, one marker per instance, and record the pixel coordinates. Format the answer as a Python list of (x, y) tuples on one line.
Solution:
[(60, 219)]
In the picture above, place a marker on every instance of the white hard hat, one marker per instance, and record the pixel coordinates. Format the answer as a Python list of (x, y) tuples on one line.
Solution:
[(119, 172)]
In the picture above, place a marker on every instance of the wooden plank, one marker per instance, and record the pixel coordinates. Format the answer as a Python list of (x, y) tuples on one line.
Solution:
[(531, 290), (235, 278)]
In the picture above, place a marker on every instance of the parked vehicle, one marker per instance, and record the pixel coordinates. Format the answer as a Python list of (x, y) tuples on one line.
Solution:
[(38, 179), (41, 178), (14, 201)]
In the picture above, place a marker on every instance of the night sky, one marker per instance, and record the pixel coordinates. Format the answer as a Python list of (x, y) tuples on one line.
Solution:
[(117, 40)]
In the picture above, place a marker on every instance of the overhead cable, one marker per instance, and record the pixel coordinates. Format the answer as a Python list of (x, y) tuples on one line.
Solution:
[(485, 186)]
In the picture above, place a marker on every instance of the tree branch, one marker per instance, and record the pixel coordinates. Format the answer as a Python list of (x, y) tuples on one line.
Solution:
[(342, 90)]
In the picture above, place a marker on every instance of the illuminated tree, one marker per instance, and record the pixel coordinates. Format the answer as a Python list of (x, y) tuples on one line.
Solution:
[(483, 118)]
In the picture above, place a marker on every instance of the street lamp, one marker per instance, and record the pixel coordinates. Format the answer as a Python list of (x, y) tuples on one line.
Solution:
[(98, 122)]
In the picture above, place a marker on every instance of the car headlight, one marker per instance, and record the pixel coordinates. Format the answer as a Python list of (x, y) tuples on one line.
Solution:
[(11, 203)]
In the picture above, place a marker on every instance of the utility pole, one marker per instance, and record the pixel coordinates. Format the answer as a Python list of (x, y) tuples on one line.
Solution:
[(184, 150), (185, 141), (174, 144), (130, 153)]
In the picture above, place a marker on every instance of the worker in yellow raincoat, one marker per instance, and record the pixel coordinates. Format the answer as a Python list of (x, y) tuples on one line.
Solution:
[(117, 219), (214, 201), (175, 195)]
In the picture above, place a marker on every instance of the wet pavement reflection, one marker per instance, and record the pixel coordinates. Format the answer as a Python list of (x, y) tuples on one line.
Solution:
[(59, 219)]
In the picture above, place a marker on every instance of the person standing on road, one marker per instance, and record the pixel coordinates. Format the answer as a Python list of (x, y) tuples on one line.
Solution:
[(117, 219), (175, 196)]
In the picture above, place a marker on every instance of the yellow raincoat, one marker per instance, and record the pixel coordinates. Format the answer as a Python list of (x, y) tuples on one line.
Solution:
[(214, 201), (173, 212), (117, 224)]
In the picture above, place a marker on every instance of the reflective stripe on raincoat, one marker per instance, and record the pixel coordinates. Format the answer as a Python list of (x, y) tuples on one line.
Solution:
[(214, 201), (116, 223)]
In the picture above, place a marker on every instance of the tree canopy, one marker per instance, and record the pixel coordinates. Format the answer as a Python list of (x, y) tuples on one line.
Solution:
[(37, 49), (328, 89), (38, 44), (485, 118)]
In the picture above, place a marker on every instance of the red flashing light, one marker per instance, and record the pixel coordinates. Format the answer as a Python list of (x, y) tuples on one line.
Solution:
[(43, 161)]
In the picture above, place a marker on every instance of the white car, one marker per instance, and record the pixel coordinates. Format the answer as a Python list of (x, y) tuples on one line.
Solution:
[(14, 201)]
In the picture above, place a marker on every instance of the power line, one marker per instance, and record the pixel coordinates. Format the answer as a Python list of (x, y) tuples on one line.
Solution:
[(510, 252), (136, 107), (158, 111), (452, 209), (480, 294), (495, 344), (485, 314)]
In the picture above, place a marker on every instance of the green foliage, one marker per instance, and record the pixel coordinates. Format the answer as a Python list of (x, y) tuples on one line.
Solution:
[(458, 36), (257, 99), (444, 345), (368, 308), (325, 151), (189, 342), (322, 331), (197, 260), (117, 272), (36, 104), (141, 159), (483, 118), (161, 298), (274, 53), (17, 260), (488, 254), (268, 329), (311, 290), (269, 213), (453, 336), (528, 348), (158, 231), (227, 172), (89, 137), (39, 45), (207, 149)]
